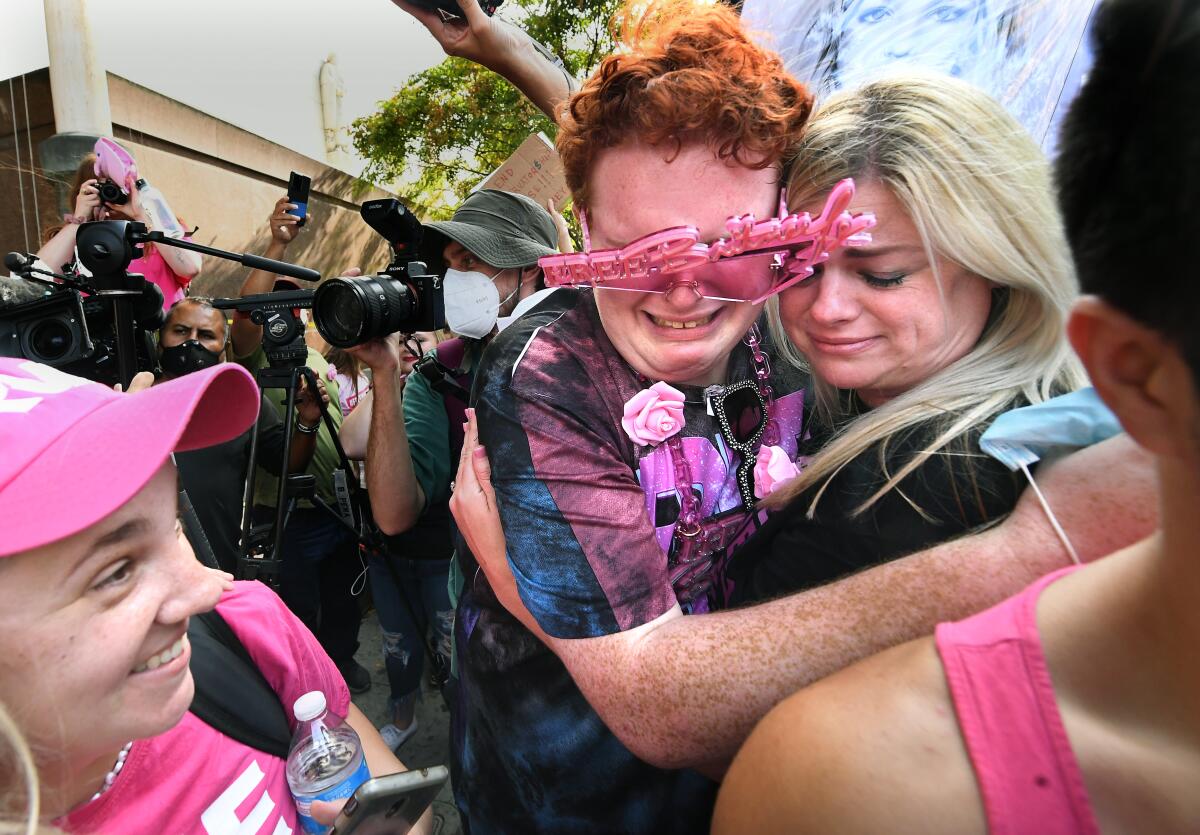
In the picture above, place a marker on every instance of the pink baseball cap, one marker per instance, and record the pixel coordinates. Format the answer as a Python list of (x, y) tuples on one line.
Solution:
[(73, 451)]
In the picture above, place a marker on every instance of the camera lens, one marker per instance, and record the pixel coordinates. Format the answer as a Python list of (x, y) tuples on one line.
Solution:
[(50, 340), (111, 193), (350, 311)]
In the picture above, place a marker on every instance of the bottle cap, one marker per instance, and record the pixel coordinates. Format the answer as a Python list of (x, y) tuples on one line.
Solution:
[(309, 706)]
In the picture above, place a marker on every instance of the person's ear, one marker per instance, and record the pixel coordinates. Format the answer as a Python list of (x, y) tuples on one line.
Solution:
[(1135, 371), (531, 280)]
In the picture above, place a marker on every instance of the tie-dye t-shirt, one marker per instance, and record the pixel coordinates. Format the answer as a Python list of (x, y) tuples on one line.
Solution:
[(588, 518)]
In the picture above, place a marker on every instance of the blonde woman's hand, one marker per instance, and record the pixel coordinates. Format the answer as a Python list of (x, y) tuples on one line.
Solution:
[(473, 505)]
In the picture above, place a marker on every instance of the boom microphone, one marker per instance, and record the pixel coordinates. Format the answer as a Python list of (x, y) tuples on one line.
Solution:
[(17, 262)]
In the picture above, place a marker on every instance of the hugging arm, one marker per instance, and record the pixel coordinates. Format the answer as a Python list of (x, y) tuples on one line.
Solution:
[(686, 691)]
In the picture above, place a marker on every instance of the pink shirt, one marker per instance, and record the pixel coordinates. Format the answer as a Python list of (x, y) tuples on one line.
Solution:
[(195, 779), (1028, 776), (349, 391), (155, 268)]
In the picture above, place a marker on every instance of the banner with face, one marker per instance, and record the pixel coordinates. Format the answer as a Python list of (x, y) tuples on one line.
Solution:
[(1030, 55)]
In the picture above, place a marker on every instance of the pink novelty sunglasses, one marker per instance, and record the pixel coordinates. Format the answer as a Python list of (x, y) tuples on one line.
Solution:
[(757, 260)]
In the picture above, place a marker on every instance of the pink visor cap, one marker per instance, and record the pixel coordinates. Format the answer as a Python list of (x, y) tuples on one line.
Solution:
[(73, 451)]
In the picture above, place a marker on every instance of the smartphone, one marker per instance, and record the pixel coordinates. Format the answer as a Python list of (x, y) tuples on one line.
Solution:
[(391, 804), (298, 194), (450, 10)]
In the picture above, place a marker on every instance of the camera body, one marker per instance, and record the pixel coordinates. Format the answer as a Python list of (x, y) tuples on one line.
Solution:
[(403, 298), (50, 330), (77, 333), (98, 323), (111, 193)]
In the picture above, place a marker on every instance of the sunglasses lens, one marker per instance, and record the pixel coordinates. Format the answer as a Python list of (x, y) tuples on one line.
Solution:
[(745, 413), (739, 279)]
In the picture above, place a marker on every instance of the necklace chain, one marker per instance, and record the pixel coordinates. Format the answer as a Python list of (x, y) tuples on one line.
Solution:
[(688, 524)]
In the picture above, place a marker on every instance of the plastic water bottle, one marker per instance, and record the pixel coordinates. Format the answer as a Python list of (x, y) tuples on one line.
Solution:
[(325, 761), (159, 211)]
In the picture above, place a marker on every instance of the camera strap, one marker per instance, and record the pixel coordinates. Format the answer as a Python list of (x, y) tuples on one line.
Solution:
[(341, 489), (232, 695), (442, 369)]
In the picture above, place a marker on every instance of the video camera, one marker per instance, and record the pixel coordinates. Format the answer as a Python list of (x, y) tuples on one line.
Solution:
[(403, 298), (99, 326)]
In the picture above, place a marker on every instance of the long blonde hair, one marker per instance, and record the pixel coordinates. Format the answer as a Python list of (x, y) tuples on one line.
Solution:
[(19, 793), (979, 193)]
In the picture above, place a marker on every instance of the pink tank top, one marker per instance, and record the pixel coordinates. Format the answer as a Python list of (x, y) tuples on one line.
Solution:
[(1027, 773)]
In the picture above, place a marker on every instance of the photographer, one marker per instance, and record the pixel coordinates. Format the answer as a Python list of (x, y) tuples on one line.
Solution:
[(489, 253), (320, 557), (192, 339), (170, 268)]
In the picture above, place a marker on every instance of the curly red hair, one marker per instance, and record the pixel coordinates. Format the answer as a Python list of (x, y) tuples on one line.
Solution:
[(686, 71)]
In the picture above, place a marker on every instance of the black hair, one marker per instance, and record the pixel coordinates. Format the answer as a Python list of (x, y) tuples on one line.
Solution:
[(1128, 169), (202, 302)]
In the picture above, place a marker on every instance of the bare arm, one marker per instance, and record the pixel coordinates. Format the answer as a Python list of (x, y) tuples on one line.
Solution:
[(60, 249), (245, 335), (685, 692), (397, 499), (873, 748), (309, 411), (183, 263), (356, 428), (504, 49), (380, 761)]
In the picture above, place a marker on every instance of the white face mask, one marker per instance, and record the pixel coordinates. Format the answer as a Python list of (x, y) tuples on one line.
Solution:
[(472, 303)]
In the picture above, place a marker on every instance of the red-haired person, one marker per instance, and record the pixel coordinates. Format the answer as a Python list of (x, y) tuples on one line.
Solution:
[(597, 399)]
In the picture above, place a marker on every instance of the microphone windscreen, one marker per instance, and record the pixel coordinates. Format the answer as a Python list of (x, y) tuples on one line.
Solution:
[(14, 291)]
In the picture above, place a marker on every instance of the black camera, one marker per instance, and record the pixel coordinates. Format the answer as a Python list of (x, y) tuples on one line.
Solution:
[(73, 326), (403, 298), (49, 330), (450, 10), (111, 193)]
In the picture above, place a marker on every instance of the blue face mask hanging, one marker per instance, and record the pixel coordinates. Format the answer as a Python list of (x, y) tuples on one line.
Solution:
[(1063, 424)]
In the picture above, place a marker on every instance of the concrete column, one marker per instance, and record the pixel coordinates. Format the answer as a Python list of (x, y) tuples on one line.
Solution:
[(77, 79), (78, 86)]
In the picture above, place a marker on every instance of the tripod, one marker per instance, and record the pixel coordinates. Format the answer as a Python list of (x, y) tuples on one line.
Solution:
[(257, 560)]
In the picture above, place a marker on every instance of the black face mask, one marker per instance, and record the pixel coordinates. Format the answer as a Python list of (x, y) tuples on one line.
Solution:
[(187, 357)]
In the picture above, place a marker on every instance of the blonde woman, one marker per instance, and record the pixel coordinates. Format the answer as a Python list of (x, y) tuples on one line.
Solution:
[(952, 314)]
